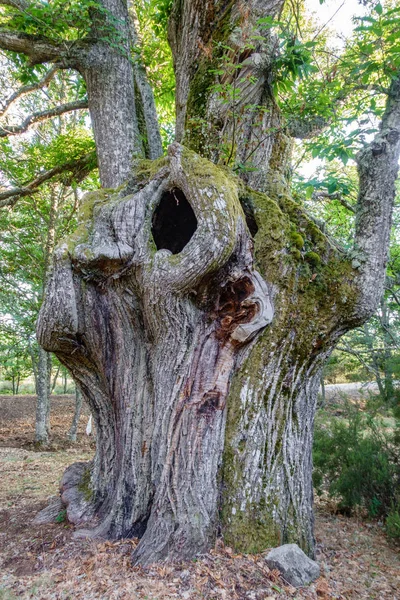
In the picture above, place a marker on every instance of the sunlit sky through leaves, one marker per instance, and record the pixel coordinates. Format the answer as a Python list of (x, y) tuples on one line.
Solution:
[(337, 14)]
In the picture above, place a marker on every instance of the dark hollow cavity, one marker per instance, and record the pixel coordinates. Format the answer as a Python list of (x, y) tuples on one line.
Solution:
[(174, 222), (248, 209)]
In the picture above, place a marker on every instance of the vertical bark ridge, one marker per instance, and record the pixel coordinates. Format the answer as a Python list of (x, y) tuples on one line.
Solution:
[(152, 338), (109, 77), (378, 165), (230, 118)]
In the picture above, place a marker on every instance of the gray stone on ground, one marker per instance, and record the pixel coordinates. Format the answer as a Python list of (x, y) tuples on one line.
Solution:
[(50, 513), (296, 568)]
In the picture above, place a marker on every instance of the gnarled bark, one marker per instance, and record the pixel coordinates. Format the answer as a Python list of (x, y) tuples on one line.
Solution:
[(195, 313), (153, 338), (154, 322)]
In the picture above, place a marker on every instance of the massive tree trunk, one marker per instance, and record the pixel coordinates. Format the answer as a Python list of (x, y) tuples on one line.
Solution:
[(196, 314), (163, 303)]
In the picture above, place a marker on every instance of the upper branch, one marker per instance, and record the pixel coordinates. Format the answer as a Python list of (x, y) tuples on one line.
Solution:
[(38, 49), (335, 196), (306, 128), (41, 49), (26, 89), (42, 116), (377, 168), (78, 168), (19, 4)]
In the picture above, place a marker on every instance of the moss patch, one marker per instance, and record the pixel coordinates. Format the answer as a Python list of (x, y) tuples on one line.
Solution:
[(85, 485)]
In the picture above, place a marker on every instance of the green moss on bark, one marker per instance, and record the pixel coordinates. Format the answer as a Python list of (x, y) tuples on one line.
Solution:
[(314, 288)]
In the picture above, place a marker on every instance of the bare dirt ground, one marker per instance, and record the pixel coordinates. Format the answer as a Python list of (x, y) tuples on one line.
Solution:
[(354, 390), (45, 562)]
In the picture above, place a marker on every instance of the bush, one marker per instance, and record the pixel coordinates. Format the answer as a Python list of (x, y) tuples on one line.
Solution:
[(358, 463), (393, 524)]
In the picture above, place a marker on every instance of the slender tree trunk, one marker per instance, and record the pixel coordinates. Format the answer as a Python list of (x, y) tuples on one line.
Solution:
[(375, 362), (53, 385), (387, 361), (323, 392), (34, 364), (42, 406), (151, 133), (42, 427), (77, 413)]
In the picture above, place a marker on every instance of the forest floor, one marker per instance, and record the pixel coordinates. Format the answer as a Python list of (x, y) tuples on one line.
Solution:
[(46, 562)]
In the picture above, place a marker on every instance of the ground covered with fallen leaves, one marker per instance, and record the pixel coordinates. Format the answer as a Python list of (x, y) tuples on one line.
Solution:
[(46, 562)]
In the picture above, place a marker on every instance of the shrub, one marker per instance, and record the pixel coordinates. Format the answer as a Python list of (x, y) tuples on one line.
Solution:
[(358, 463), (393, 524)]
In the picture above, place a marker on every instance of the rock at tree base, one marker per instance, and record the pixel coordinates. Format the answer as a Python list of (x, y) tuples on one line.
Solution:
[(50, 513), (295, 567)]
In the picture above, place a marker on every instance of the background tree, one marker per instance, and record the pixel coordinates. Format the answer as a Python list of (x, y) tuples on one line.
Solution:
[(200, 348), (43, 212)]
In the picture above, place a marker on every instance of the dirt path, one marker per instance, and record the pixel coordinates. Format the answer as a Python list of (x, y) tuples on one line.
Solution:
[(337, 391), (45, 562)]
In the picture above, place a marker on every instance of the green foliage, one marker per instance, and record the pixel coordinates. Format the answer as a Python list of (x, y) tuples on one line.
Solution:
[(393, 524), (156, 55), (65, 20), (358, 463), (295, 62), (347, 93), (61, 517)]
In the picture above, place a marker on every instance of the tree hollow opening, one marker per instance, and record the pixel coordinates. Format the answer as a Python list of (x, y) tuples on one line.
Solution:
[(174, 221)]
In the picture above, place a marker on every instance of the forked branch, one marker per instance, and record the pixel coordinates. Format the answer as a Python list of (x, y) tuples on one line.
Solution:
[(78, 170), (27, 89), (43, 116)]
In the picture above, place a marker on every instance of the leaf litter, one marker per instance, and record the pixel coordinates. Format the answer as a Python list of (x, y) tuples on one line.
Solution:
[(45, 562)]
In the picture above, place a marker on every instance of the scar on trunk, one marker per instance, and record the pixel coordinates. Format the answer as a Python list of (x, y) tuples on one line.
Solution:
[(174, 222), (232, 310)]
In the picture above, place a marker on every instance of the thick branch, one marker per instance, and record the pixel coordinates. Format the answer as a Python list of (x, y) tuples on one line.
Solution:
[(304, 129), (147, 99), (335, 196), (43, 116), (26, 89), (38, 48), (19, 4), (78, 168), (378, 169)]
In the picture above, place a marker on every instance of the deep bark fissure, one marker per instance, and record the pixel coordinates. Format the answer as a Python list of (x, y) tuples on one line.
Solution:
[(153, 348), (198, 405)]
